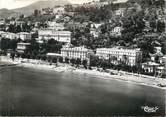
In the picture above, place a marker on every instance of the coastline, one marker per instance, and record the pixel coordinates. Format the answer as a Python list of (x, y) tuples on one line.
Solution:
[(125, 77)]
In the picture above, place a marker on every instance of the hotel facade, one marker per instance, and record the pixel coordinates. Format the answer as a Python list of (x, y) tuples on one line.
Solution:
[(76, 52), (24, 36), (61, 36), (131, 57)]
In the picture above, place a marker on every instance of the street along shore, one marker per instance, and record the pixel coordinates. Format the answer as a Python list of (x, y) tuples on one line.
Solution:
[(107, 75)]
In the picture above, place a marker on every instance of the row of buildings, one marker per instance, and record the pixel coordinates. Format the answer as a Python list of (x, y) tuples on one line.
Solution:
[(131, 56), (22, 35), (44, 34), (116, 56), (60, 36)]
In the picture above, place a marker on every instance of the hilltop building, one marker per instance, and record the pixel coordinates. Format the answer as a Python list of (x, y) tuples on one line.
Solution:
[(116, 31), (59, 10)]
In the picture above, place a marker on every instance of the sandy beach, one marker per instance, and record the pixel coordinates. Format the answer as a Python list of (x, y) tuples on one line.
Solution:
[(123, 76)]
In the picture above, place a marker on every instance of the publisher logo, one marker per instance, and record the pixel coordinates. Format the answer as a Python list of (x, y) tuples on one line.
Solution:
[(148, 109)]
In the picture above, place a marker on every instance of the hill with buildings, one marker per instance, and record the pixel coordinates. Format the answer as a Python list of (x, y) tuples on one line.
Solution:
[(28, 10)]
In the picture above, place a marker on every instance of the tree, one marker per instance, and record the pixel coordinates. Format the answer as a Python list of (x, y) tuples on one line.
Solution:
[(160, 26), (12, 55), (21, 17), (18, 29), (84, 62), (78, 61), (163, 47), (133, 24), (26, 28), (11, 28), (145, 43), (53, 46), (73, 61), (94, 61), (61, 59), (13, 44), (5, 44), (34, 48), (66, 60), (105, 64)]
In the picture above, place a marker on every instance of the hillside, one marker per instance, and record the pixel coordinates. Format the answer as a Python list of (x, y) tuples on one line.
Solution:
[(149, 3), (28, 10), (39, 5), (5, 13)]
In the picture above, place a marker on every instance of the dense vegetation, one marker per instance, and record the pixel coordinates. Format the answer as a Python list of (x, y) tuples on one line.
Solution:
[(141, 18)]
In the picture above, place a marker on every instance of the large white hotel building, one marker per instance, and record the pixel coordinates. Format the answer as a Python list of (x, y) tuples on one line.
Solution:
[(76, 52), (61, 36), (130, 56)]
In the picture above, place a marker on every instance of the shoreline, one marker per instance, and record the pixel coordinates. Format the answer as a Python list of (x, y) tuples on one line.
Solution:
[(99, 75), (140, 80)]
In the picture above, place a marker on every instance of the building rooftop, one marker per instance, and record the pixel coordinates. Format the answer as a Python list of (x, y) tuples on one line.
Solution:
[(151, 63), (119, 49), (53, 54), (160, 68), (80, 48), (23, 44), (24, 33)]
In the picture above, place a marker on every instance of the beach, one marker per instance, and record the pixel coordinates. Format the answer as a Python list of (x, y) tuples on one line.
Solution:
[(120, 75), (32, 91), (32, 87)]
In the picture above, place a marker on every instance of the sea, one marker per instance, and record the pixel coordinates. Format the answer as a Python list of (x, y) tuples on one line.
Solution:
[(32, 92)]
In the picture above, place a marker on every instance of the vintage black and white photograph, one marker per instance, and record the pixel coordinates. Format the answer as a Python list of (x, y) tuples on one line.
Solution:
[(83, 58)]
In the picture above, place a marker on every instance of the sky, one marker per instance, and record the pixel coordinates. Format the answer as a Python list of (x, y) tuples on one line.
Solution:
[(12, 4)]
